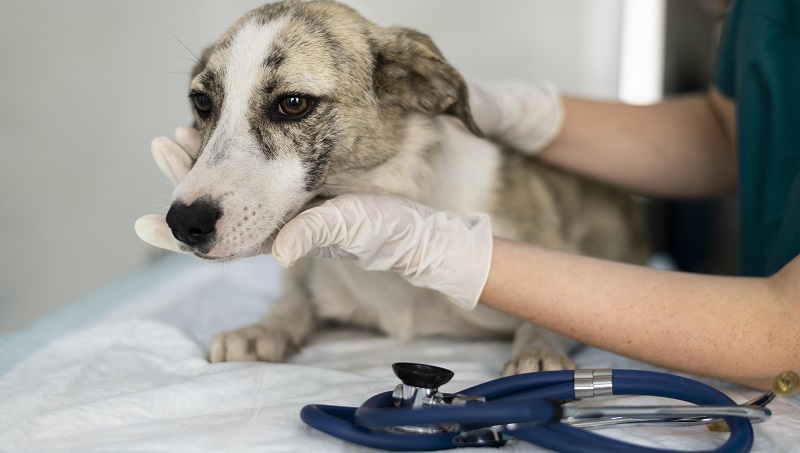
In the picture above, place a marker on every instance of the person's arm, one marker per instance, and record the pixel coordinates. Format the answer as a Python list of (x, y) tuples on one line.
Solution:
[(734, 328), (681, 147)]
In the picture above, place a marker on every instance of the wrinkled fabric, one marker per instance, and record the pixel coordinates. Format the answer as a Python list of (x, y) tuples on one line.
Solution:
[(127, 371)]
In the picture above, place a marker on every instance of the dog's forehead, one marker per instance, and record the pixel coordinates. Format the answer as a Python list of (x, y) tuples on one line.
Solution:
[(302, 50)]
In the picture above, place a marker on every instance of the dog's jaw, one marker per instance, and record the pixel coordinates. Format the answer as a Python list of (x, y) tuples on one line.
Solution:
[(263, 248)]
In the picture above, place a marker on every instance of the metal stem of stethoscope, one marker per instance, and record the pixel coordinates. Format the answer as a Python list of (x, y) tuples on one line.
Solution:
[(586, 418), (613, 417), (782, 385), (600, 417)]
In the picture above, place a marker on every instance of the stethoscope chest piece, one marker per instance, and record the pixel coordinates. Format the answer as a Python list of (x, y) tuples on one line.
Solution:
[(419, 389), (419, 385)]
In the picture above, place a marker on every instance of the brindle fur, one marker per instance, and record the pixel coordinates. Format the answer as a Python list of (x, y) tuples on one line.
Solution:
[(392, 117)]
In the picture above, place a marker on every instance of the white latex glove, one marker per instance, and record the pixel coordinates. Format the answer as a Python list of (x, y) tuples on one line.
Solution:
[(174, 158), (429, 248), (524, 116)]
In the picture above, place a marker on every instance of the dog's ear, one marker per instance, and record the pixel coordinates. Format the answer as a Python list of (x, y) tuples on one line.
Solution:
[(411, 72)]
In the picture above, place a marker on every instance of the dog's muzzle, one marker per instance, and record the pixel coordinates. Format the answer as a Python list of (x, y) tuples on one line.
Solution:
[(194, 224)]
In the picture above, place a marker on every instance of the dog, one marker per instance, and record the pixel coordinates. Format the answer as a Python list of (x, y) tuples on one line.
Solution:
[(300, 101)]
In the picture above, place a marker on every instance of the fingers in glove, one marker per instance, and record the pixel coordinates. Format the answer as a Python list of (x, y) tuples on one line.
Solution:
[(311, 233), (189, 139), (351, 226), (171, 159), (154, 230)]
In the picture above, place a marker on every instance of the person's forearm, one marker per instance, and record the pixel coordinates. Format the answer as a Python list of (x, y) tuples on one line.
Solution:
[(677, 148), (739, 329)]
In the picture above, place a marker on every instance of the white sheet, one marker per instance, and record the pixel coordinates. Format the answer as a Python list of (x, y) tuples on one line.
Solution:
[(126, 370)]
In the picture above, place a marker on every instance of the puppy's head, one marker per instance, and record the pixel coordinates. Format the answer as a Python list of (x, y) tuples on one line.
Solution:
[(295, 92)]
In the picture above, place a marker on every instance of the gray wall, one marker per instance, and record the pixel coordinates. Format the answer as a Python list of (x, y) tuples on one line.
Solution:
[(85, 85)]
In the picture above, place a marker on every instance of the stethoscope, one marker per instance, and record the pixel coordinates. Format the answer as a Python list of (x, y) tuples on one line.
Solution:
[(536, 408)]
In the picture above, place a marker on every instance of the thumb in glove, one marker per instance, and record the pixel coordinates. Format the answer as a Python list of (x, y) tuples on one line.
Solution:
[(174, 158)]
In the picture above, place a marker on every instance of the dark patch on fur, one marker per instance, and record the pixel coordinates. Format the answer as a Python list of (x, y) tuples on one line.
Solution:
[(211, 82), (266, 149), (270, 88), (318, 27), (221, 150), (321, 140), (272, 11), (274, 59), (203, 63), (296, 142), (224, 43), (318, 163)]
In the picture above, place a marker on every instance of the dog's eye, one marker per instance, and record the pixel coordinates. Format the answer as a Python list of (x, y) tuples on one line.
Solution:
[(202, 104), (294, 107)]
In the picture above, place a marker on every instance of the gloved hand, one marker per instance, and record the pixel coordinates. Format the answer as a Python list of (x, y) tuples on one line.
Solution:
[(174, 158), (524, 116), (429, 248)]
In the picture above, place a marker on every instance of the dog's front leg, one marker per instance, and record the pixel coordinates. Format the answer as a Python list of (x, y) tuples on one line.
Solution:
[(538, 349), (279, 333)]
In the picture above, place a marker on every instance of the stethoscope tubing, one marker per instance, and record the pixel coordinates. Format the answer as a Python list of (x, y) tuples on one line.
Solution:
[(540, 384), (537, 410), (507, 401), (626, 382)]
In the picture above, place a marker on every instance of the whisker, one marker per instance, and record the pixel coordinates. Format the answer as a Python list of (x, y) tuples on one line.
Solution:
[(159, 194), (177, 72), (188, 59), (196, 59), (168, 200), (170, 184)]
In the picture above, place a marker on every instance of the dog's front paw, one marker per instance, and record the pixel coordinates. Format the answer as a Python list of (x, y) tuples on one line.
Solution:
[(256, 342), (537, 360)]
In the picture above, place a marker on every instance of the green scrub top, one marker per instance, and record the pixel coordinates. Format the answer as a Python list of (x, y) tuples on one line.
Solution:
[(758, 65)]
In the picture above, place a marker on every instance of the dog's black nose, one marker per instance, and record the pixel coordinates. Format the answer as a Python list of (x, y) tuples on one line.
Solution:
[(194, 224)]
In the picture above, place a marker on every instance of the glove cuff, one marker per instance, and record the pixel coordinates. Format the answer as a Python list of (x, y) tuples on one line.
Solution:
[(478, 259), (549, 125)]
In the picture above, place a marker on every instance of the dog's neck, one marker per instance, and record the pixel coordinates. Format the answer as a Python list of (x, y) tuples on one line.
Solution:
[(438, 163), (466, 169)]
